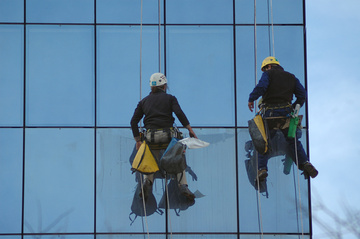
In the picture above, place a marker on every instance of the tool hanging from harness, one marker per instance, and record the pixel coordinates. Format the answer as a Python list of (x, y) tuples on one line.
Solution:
[(260, 125), (144, 161), (258, 134)]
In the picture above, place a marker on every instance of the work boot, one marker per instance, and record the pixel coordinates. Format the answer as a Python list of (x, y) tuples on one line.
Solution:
[(147, 188), (262, 174), (310, 169), (185, 191)]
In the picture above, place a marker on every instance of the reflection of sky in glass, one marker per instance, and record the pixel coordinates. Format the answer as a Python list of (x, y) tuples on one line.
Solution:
[(78, 74), (59, 180), (12, 74), (11, 180), (60, 11), (11, 11), (203, 82), (60, 75)]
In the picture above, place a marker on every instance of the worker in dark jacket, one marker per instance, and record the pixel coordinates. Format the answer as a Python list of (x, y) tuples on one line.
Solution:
[(158, 108), (277, 88)]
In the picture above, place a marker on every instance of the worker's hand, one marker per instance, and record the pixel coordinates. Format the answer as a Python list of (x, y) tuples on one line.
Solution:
[(192, 134), (251, 106), (138, 144)]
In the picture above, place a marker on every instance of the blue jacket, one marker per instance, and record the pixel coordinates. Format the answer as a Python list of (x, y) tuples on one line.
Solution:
[(277, 81)]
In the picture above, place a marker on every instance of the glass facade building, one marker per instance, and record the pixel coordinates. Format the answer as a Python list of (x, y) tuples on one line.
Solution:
[(71, 75)]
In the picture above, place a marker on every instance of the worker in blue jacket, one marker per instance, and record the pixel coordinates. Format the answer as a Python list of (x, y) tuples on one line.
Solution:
[(277, 88)]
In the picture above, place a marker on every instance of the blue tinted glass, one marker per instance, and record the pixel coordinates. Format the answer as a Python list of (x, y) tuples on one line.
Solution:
[(128, 11), (11, 10), (10, 237), (215, 208), (287, 11), (12, 75), (200, 11), (62, 236), (60, 75), (245, 72), (279, 196), (289, 50), (132, 235), (269, 11), (11, 180), (116, 185), (59, 180), (60, 11), (118, 79), (200, 73)]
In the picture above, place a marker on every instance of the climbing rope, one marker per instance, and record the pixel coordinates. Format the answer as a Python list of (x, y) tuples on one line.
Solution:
[(257, 156), (168, 204), (272, 28), (141, 177), (159, 35), (299, 188)]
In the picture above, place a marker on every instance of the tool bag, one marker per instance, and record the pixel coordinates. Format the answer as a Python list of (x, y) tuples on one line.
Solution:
[(137, 205), (173, 161), (177, 201), (144, 161), (258, 134)]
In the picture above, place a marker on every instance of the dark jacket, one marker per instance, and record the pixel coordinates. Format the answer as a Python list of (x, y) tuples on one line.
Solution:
[(157, 108), (277, 86)]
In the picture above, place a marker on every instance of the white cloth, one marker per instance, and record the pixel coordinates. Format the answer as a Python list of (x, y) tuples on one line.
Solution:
[(193, 143)]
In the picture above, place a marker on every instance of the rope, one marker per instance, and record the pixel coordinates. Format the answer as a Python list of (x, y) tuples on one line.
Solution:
[(144, 206), (141, 21), (272, 28), (141, 180), (168, 204), (159, 36), (257, 158), (298, 177)]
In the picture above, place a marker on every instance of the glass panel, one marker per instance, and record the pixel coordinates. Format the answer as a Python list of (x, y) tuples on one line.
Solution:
[(215, 188), (279, 12), (118, 81), (205, 235), (11, 142), (279, 196), (10, 237), (60, 76), (12, 75), (200, 72), (245, 72), (59, 181), (200, 11), (289, 48), (132, 236), (60, 11), (116, 185), (287, 11), (12, 11), (60, 236), (245, 12), (128, 11)]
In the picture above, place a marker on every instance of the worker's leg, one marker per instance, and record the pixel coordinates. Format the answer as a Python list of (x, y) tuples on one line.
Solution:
[(181, 178), (297, 153)]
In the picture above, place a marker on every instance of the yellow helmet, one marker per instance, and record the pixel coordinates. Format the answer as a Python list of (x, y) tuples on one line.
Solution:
[(269, 60)]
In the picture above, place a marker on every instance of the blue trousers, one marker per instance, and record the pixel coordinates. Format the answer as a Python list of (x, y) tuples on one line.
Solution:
[(290, 147)]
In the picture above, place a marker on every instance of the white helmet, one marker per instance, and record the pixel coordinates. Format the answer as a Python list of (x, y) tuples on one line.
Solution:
[(157, 79)]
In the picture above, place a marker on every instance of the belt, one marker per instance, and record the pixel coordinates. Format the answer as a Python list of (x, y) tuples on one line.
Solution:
[(277, 106)]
